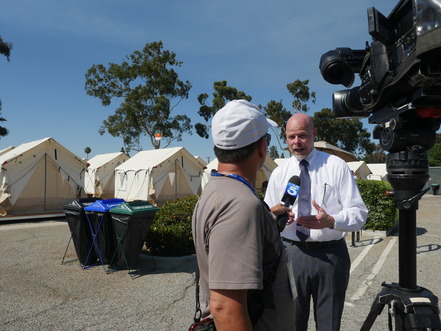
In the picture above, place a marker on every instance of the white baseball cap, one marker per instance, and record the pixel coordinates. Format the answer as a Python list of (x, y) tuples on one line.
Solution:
[(238, 124)]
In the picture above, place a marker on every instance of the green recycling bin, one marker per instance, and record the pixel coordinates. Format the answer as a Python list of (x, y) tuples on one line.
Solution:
[(131, 221)]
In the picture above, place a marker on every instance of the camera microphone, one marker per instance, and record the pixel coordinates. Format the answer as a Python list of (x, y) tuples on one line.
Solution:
[(290, 196)]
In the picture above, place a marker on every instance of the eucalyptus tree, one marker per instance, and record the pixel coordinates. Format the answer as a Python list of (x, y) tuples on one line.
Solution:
[(148, 89), (5, 49)]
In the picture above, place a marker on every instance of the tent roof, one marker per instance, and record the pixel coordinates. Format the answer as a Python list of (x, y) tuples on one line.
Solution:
[(102, 159), (279, 161), (7, 149), (146, 160), (23, 148), (201, 161), (360, 169), (269, 164), (354, 165), (378, 168), (331, 149)]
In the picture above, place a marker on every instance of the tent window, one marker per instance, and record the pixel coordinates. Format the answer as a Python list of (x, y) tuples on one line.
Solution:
[(55, 153)]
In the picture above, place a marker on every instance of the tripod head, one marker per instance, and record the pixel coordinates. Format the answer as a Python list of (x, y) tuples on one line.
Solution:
[(407, 137)]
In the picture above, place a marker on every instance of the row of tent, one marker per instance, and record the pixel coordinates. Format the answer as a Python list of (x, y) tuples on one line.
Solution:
[(40, 177)]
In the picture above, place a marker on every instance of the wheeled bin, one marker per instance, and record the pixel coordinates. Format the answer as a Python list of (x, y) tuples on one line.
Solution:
[(435, 189), (79, 229), (131, 220), (101, 227)]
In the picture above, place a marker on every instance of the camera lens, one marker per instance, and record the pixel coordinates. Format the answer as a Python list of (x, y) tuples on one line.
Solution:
[(346, 104), (335, 70)]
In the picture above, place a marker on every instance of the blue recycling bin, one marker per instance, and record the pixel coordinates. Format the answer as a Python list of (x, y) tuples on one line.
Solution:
[(103, 233)]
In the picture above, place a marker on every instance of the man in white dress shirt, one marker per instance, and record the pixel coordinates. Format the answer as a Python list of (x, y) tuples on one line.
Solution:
[(315, 240)]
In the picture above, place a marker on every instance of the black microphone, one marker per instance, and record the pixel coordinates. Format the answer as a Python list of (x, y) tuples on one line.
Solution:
[(290, 196)]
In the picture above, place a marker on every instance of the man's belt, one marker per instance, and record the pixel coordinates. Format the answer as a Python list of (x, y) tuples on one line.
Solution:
[(312, 244)]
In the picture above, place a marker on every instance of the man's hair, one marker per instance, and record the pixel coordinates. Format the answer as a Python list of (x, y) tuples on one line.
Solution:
[(236, 155)]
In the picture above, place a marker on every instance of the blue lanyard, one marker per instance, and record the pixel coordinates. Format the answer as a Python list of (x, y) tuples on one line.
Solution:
[(237, 177)]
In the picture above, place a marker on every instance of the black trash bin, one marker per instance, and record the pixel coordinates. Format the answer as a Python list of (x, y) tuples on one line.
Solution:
[(100, 221), (80, 230), (435, 189), (131, 221)]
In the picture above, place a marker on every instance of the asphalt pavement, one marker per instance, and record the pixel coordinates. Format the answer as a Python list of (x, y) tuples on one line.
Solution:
[(40, 291)]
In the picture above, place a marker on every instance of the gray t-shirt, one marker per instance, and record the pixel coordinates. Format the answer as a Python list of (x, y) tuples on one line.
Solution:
[(238, 247)]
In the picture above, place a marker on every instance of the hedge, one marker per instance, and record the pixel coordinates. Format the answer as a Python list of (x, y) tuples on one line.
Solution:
[(382, 211), (170, 233)]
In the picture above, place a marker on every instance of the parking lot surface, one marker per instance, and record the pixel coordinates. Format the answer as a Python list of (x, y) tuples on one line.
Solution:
[(39, 292)]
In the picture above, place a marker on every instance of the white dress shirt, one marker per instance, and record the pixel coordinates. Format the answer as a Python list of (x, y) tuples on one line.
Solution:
[(332, 187)]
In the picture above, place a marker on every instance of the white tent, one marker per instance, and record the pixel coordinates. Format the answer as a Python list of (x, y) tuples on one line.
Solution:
[(39, 177), (331, 149), (360, 169), (205, 176), (279, 161), (201, 161), (378, 171), (99, 180), (158, 176), (263, 174), (4, 151)]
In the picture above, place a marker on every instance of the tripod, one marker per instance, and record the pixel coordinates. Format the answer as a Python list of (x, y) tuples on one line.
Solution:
[(412, 307)]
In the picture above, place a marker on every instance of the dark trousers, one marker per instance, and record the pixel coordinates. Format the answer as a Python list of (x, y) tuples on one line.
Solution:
[(323, 275)]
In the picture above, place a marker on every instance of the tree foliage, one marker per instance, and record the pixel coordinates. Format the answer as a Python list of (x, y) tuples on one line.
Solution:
[(221, 96), (279, 114), (274, 109), (273, 153), (377, 156), (300, 91), (5, 49), (148, 89), (87, 150), (347, 134), (301, 94), (434, 154)]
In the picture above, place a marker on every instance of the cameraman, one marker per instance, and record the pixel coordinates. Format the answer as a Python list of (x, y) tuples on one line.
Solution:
[(242, 263)]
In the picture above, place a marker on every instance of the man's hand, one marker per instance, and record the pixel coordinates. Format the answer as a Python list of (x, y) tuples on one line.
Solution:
[(280, 209), (320, 221), (229, 309)]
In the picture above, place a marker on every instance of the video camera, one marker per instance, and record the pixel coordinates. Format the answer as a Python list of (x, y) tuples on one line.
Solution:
[(400, 91), (400, 70)]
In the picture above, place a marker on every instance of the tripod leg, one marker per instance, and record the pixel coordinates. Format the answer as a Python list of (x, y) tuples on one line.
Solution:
[(376, 309)]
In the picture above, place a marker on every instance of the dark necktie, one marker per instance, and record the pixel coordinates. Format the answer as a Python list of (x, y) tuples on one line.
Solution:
[(304, 199)]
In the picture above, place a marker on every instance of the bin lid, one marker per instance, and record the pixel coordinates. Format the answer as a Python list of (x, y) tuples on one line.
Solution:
[(134, 207), (104, 205), (79, 204)]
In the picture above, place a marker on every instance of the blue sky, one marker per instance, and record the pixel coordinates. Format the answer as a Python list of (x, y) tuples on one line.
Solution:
[(257, 46)]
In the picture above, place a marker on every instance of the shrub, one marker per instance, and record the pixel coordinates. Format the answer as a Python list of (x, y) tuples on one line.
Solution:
[(382, 210), (170, 232)]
